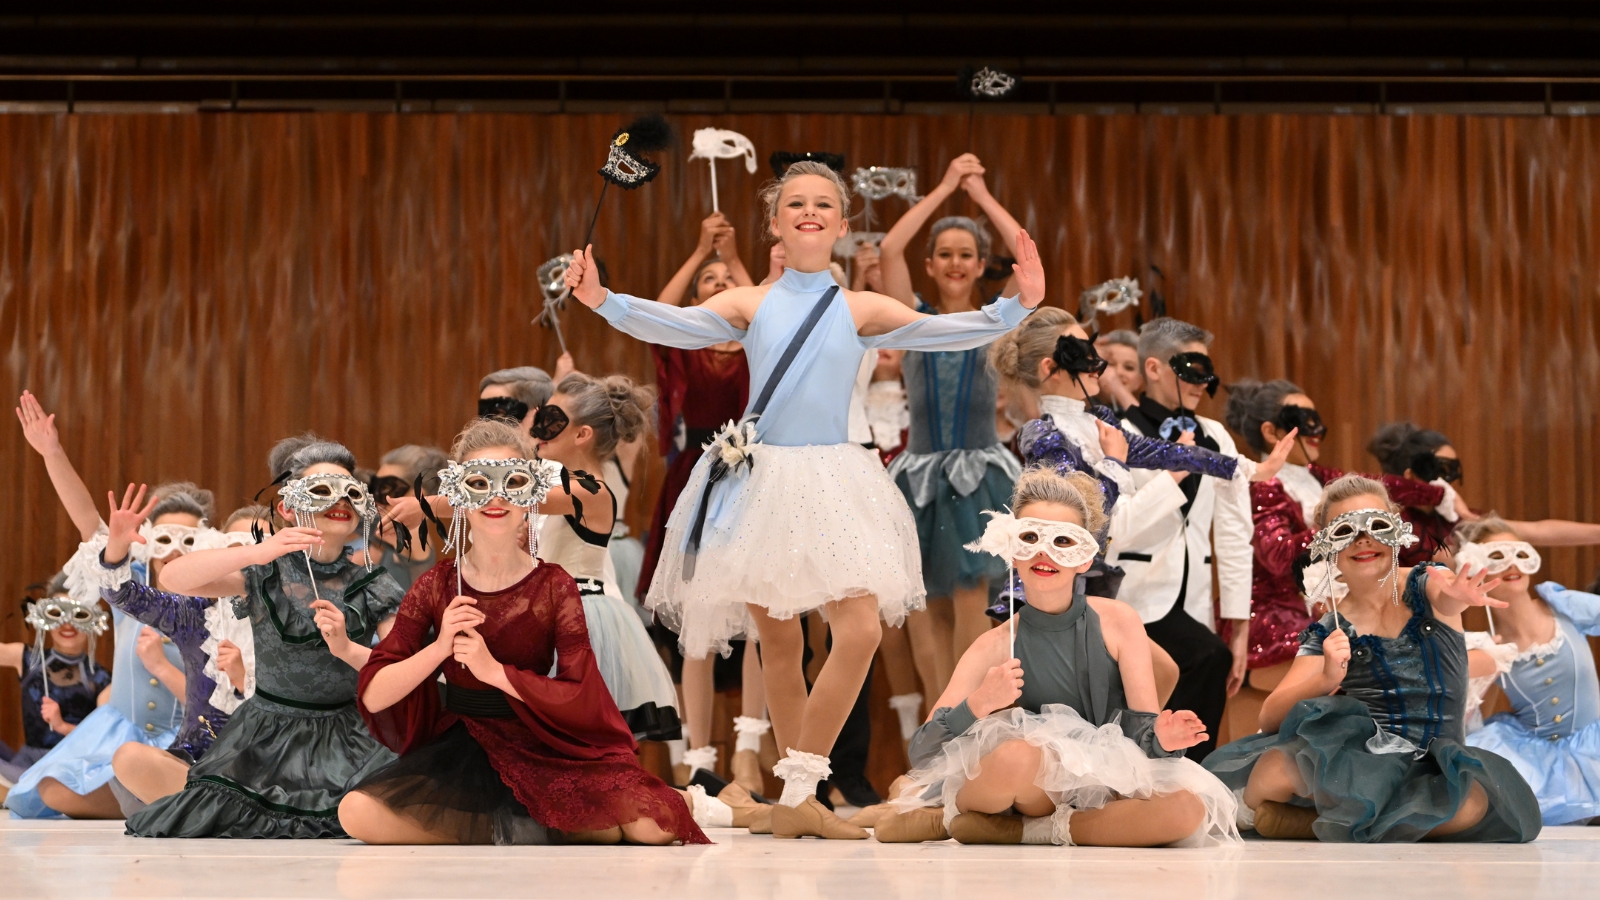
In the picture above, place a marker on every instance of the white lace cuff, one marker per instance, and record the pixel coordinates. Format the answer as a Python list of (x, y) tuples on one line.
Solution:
[(1449, 508), (87, 576)]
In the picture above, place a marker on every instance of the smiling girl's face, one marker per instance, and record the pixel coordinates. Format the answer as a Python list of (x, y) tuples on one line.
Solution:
[(1366, 560), (1042, 577), (810, 216), (955, 265)]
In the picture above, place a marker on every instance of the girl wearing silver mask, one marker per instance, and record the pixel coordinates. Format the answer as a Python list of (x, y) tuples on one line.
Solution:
[(1364, 740), (314, 614)]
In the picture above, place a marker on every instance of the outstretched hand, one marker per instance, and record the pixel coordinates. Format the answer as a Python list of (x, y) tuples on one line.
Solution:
[(124, 521), (1269, 468), (1029, 271), (1179, 730), (38, 428), (583, 278), (288, 540), (1455, 591)]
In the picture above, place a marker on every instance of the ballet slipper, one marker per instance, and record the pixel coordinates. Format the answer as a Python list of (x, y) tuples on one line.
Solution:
[(746, 809), (612, 835), (746, 767), (812, 819), (914, 827), (1285, 822), (870, 816), (987, 828), (761, 820)]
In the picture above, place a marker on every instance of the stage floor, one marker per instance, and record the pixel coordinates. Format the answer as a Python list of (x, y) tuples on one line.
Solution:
[(94, 859)]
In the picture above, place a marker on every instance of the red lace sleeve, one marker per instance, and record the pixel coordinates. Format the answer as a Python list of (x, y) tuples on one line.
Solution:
[(417, 718), (1281, 533), (572, 712)]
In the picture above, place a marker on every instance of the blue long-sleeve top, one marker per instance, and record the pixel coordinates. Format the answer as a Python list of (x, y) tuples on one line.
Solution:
[(810, 406)]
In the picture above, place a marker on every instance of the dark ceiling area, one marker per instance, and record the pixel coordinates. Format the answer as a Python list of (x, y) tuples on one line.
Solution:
[(1528, 57)]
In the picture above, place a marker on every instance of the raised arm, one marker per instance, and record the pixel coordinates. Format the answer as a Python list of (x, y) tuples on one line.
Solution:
[(999, 217), (892, 251), (1557, 533), (721, 318), (884, 322), (220, 573), (714, 226), (40, 431)]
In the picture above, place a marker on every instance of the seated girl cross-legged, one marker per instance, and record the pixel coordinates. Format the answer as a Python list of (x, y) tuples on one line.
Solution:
[(1056, 740)]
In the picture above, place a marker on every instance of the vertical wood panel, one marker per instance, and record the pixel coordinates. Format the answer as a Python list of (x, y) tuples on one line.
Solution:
[(184, 290)]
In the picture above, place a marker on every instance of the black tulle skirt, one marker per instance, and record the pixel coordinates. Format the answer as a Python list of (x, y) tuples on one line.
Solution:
[(448, 786)]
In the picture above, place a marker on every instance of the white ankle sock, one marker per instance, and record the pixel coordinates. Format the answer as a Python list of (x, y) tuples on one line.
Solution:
[(748, 731), (801, 772), (1051, 829), (708, 811), (909, 708), (675, 751), (1244, 817), (701, 758)]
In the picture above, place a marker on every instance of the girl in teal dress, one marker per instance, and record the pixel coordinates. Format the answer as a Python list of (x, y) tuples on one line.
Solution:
[(1364, 741)]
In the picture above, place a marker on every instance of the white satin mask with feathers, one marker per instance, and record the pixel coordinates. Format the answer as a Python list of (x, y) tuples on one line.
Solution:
[(720, 143), (1016, 540), (163, 541)]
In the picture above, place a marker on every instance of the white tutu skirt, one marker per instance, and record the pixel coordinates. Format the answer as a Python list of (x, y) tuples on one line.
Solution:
[(804, 526), (1080, 766), (626, 657)]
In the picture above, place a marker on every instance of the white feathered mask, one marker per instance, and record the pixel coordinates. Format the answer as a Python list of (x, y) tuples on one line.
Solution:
[(1013, 539)]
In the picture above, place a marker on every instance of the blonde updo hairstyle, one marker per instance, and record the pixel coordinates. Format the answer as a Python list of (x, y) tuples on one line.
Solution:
[(1016, 355), (1079, 491), (483, 434), (1488, 526), (1346, 487), (617, 409), (772, 191)]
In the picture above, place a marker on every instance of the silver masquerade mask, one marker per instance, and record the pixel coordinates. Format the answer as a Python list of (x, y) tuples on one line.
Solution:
[(47, 615), (989, 84), (472, 484), (1385, 527), (1109, 298), (882, 182), (1498, 556), (552, 277), (313, 494)]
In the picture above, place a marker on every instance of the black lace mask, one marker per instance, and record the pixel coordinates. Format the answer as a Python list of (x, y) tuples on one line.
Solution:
[(1077, 355)]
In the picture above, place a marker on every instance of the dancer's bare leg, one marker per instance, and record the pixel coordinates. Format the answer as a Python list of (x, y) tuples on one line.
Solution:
[(1159, 820), (753, 692), (1473, 808), (970, 620), (897, 661), (930, 633), (371, 821), (99, 803), (1274, 777), (149, 773), (1005, 780), (811, 724), (698, 698)]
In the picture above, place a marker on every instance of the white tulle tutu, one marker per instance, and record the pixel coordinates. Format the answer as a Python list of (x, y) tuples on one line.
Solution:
[(1080, 766), (803, 527), (626, 657)]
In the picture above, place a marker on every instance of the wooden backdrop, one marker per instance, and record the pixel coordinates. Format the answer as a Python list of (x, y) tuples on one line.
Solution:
[(185, 289)]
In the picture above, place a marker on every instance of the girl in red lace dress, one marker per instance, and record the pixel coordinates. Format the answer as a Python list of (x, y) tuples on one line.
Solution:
[(509, 754)]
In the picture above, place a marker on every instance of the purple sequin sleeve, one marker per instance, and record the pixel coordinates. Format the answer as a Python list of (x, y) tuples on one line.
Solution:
[(1042, 444), (181, 620), (1155, 453)]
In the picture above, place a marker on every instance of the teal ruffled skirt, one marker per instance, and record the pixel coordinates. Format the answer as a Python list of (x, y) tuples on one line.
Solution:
[(276, 771), (948, 520), (1366, 797)]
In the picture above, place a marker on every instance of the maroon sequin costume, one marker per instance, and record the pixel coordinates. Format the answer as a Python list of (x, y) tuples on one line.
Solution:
[(565, 752), (708, 389), (1277, 608)]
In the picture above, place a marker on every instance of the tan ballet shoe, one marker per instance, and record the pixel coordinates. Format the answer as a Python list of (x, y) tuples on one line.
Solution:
[(871, 816), (745, 808), (812, 819), (746, 768), (760, 819), (681, 774), (914, 827), (986, 828), (612, 835), (1285, 822)]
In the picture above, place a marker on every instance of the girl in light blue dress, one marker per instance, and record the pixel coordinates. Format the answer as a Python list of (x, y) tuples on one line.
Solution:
[(785, 515), (1552, 734)]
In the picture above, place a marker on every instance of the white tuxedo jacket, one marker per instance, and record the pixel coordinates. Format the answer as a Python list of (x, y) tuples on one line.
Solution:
[(1150, 537)]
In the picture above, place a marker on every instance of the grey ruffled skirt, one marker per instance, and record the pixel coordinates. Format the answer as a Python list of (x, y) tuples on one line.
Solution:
[(1367, 797), (276, 771)]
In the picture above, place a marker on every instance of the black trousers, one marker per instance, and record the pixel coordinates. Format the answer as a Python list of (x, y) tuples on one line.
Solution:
[(1204, 662)]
